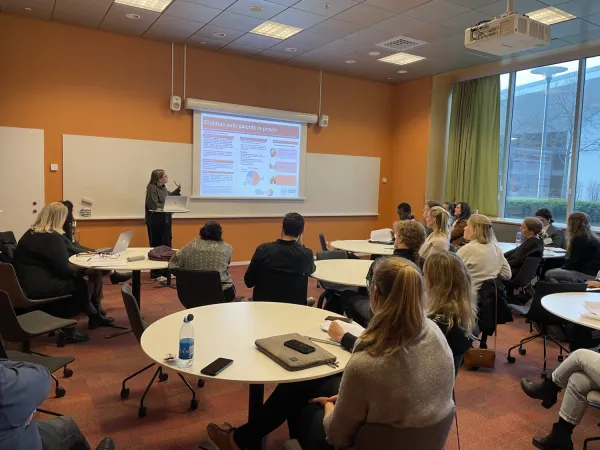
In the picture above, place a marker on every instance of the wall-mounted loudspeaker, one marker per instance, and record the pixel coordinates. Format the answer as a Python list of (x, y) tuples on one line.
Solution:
[(323, 121), (175, 103)]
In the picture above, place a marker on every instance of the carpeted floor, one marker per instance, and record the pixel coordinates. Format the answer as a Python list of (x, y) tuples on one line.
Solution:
[(493, 413)]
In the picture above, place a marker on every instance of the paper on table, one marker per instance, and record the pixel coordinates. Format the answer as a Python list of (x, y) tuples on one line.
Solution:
[(593, 308), (557, 249), (352, 328), (385, 235), (590, 316)]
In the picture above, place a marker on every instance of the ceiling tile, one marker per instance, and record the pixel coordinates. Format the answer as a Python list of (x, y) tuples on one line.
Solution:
[(209, 31), (116, 21), (327, 8), (370, 36), (78, 18), (436, 11), (401, 24), (304, 41), (584, 37), (338, 48), (175, 34), (240, 49), (274, 56), (236, 21), (217, 4), (299, 18), (90, 7), (257, 41), (498, 8), (581, 8), (285, 2), (396, 5), (434, 33), (365, 15), (201, 42), (552, 2), (594, 19), (191, 11), (41, 9), (473, 4), (571, 27), (268, 9), (335, 28), (186, 25), (466, 20)]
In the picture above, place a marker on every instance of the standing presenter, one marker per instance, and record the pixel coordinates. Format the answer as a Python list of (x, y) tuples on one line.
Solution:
[(158, 223)]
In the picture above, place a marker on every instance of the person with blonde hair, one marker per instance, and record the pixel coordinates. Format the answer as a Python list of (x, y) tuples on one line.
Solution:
[(451, 301), (482, 255), (43, 269), (400, 375), (439, 239)]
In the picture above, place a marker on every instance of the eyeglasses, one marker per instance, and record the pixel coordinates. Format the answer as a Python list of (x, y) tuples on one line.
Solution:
[(369, 283)]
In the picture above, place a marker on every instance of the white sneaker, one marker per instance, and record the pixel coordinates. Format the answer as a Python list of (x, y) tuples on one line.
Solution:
[(161, 279), (310, 301)]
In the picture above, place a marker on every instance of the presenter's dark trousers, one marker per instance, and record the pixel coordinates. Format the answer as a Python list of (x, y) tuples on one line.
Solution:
[(159, 233), (62, 433)]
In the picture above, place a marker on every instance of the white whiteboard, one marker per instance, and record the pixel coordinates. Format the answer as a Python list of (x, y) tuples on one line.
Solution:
[(114, 174)]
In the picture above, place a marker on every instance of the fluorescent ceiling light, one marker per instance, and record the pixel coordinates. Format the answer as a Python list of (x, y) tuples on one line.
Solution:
[(550, 15), (275, 30), (151, 5), (401, 59)]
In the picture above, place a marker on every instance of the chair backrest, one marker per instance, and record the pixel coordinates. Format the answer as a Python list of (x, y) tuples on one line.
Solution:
[(8, 245), (281, 287), (527, 272), (10, 328), (10, 284), (331, 254), (3, 353), (199, 287), (384, 437), (133, 311), (537, 313), (323, 242)]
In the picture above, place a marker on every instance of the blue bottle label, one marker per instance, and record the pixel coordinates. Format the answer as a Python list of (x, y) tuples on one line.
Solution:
[(186, 348)]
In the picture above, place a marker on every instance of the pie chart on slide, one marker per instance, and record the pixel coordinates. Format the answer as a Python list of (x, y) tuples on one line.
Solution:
[(252, 177)]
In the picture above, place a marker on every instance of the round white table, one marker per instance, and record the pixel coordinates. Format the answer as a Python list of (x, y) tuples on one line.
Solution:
[(363, 246), (349, 272), (569, 306), (229, 330), (549, 252)]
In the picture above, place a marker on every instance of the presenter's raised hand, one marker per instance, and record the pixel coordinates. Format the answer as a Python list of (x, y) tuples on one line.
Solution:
[(177, 184)]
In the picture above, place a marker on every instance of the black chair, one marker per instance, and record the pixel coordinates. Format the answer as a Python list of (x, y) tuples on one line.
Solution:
[(52, 363), (8, 245), (593, 399), (331, 288), (138, 326), (535, 313), (199, 288), (528, 271), (281, 287), (323, 242)]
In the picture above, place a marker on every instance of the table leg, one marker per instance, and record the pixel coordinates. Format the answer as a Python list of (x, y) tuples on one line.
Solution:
[(255, 402), (136, 288)]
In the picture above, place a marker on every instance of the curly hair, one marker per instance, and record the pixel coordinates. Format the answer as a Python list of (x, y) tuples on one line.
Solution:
[(412, 234)]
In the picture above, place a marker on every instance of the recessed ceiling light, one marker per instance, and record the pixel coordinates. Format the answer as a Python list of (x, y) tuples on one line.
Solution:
[(402, 71), (291, 49), (219, 34), (401, 59), (275, 30), (132, 16), (350, 61), (152, 5), (550, 15), (27, 9), (202, 42), (374, 53), (256, 9)]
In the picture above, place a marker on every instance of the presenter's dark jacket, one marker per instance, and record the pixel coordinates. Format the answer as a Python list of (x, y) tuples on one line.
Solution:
[(155, 199), (279, 272)]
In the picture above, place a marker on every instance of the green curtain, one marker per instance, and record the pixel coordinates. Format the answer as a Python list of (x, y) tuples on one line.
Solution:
[(474, 144)]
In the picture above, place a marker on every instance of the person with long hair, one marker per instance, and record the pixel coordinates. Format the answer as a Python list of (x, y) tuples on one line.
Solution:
[(462, 213), (208, 252), (583, 252), (401, 374), (43, 269), (158, 223), (482, 255), (531, 246), (552, 236), (426, 210), (449, 206), (410, 236), (439, 239)]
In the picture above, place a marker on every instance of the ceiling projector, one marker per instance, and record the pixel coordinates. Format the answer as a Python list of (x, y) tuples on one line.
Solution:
[(511, 33)]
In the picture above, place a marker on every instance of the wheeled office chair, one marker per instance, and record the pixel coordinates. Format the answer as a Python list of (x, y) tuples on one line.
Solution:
[(523, 279)]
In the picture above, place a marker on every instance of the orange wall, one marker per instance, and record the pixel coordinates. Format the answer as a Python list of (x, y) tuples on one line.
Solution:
[(412, 106), (70, 80)]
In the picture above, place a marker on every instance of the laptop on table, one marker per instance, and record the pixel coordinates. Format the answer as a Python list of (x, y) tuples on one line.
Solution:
[(121, 245), (175, 203)]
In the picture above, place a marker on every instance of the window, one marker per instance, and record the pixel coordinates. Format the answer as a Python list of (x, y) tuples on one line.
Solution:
[(504, 91), (541, 140)]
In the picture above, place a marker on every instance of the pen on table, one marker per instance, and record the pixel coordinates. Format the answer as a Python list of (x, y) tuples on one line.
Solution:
[(323, 341)]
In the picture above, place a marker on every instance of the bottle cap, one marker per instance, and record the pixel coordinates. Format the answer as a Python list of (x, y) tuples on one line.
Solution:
[(188, 318)]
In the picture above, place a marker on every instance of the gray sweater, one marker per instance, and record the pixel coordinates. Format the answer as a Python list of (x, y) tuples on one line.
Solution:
[(410, 389), (202, 254)]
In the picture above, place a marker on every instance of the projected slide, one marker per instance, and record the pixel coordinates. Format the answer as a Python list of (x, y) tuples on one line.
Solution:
[(243, 157)]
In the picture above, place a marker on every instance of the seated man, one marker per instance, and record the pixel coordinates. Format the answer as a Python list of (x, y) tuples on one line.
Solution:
[(279, 270), (405, 212), (23, 387)]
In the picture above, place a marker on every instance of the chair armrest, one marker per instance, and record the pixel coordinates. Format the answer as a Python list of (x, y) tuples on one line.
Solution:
[(292, 444)]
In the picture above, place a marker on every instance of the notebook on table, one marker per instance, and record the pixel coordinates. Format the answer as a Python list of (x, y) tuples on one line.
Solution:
[(290, 359)]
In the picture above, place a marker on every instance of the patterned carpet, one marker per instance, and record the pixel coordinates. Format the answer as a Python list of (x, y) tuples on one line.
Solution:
[(493, 413)]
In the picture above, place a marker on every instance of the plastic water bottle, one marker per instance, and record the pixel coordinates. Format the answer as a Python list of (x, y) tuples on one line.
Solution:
[(519, 238), (186, 343)]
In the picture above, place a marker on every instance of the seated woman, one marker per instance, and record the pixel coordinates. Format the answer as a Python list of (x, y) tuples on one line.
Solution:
[(531, 246), (400, 375), (450, 206), (583, 252), (482, 255), (552, 236), (577, 375), (462, 213), (43, 268), (439, 239), (426, 209), (208, 252), (410, 236)]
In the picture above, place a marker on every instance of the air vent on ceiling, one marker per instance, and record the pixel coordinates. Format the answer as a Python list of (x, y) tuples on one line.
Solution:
[(401, 43)]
